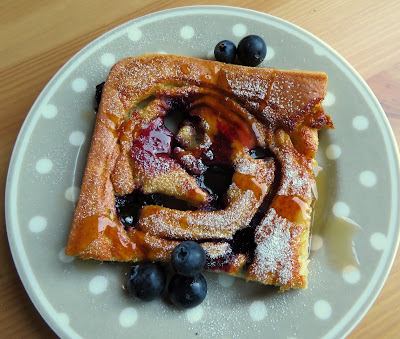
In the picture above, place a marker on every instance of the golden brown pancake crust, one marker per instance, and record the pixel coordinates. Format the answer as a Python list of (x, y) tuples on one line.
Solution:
[(255, 107)]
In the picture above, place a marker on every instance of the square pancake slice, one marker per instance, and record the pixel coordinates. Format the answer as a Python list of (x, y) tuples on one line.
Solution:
[(191, 149)]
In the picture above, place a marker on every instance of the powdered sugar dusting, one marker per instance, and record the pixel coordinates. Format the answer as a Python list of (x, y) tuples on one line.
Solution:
[(274, 254), (257, 168), (217, 250), (190, 162), (199, 225), (151, 165), (251, 88), (219, 254), (255, 105), (297, 179), (291, 94), (246, 165), (234, 217)]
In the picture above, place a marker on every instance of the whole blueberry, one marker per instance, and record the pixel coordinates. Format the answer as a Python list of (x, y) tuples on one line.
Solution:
[(225, 51), (146, 281), (188, 258), (251, 50), (187, 292)]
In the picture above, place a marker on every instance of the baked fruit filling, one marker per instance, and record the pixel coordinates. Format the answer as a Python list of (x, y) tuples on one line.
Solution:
[(189, 149)]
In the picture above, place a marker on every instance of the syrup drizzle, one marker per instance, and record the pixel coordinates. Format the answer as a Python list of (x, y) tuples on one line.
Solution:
[(243, 240), (129, 206), (338, 233), (215, 181), (158, 140)]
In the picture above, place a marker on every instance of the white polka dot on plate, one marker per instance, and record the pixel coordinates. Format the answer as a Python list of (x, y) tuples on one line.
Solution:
[(79, 85), (195, 314), (270, 53), (162, 52), (63, 318), (316, 242), (72, 193), (258, 311), (66, 259), (44, 165), (98, 284), (37, 224), (368, 178), (128, 317), (210, 55), (108, 59), (341, 209), (360, 123), (239, 30), (378, 241), (134, 33), (329, 99), (76, 138), (49, 111), (322, 309), (187, 32), (225, 280), (333, 152), (351, 274)]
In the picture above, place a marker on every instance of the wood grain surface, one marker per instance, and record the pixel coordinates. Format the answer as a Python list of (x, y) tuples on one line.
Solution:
[(38, 37)]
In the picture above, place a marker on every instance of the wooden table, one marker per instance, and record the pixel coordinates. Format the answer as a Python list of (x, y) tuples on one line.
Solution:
[(38, 37)]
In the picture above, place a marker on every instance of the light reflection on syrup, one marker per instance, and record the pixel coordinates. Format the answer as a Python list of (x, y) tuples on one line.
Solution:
[(303, 207), (338, 238), (337, 232), (185, 69)]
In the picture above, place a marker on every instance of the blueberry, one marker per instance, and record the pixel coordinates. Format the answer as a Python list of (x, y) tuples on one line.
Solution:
[(251, 50), (188, 258), (99, 91), (146, 281), (187, 292), (225, 51)]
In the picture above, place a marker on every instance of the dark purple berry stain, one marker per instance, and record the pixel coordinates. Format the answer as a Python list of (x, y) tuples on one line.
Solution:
[(99, 91)]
